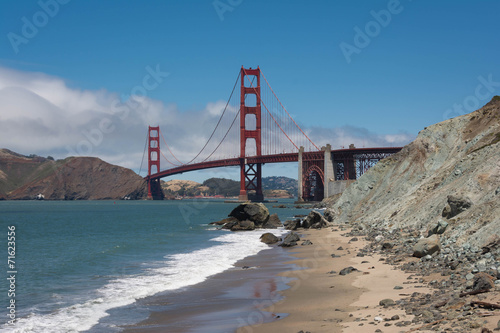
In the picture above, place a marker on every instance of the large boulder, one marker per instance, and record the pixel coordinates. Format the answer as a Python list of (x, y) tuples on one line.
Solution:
[(255, 212), (455, 206), (314, 220), (427, 246), (269, 238), (274, 222)]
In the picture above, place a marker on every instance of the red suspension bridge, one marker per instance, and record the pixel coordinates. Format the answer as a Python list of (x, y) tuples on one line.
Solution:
[(266, 134)]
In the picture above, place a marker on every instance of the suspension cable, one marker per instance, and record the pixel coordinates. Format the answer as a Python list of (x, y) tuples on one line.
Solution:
[(144, 153), (287, 111), (293, 143), (220, 119)]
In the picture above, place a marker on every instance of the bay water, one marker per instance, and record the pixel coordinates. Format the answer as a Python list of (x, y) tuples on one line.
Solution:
[(80, 266)]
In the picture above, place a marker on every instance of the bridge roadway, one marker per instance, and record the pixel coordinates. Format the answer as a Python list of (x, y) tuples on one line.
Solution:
[(338, 154)]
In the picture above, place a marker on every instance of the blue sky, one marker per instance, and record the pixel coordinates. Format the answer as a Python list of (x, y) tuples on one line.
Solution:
[(368, 72)]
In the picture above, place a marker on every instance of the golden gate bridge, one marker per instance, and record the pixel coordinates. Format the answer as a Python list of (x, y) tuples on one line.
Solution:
[(267, 133)]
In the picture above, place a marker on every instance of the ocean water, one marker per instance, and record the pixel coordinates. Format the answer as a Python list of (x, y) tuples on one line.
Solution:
[(80, 266)]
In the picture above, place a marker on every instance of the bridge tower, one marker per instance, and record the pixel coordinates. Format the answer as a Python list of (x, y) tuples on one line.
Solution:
[(251, 173), (154, 188)]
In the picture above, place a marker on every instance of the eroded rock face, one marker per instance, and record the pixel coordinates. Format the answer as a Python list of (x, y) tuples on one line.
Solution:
[(455, 163), (455, 206)]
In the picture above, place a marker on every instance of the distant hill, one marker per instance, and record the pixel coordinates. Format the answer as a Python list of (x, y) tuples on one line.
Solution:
[(281, 187), (74, 178)]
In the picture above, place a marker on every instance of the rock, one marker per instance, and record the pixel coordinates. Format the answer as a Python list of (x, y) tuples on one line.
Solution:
[(437, 228), (455, 206), (269, 238), (255, 212), (273, 222), (240, 226), (329, 215), (379, 238), (387, 245), (314, 220), (291, 225), (347, 270), (225, 221), (483, 281), (290, 239), (307, 242), (386, 302), (426, 246)]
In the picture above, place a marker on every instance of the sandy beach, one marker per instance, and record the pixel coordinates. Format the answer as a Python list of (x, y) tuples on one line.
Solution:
[(321, 300)]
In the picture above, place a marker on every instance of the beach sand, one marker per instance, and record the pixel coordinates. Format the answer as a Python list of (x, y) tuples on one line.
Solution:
[(320, 300), (293, 290)]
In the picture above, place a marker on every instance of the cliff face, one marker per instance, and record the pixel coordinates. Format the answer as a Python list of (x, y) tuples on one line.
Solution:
[(75, 178), (453, 165)]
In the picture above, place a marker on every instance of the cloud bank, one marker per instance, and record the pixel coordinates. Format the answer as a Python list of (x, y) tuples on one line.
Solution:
[(40, 114)]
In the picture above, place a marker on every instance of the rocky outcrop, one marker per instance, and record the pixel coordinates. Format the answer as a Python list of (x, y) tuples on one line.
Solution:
[(255, 212), (249, 216), (455, 206), (74, 178), (314, 220), (454, 163)]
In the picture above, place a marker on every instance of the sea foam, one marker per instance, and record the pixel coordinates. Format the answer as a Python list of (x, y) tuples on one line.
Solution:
[(176, 271)]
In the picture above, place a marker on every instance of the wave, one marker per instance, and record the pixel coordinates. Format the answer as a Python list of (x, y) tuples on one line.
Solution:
[(177, 271)]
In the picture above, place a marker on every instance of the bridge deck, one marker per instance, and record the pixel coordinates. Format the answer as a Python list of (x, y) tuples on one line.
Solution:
[(337, 154)]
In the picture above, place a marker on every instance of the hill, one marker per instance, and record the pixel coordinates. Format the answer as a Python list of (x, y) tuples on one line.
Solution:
[(74, 178), (280, 187), (449, 175)]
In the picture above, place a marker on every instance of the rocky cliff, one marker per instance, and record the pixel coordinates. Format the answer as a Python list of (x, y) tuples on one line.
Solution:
[(74, 178), (450, 175)]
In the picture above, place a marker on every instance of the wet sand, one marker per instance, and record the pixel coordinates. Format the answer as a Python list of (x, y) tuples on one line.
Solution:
[(320, 300), (287, 290), (222, 303)]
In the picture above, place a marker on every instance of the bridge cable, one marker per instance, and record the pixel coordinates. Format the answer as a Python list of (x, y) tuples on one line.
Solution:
[(274, 118), (161, 134), (287, 112), (144, 153), (220, 119), (232, 124)]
